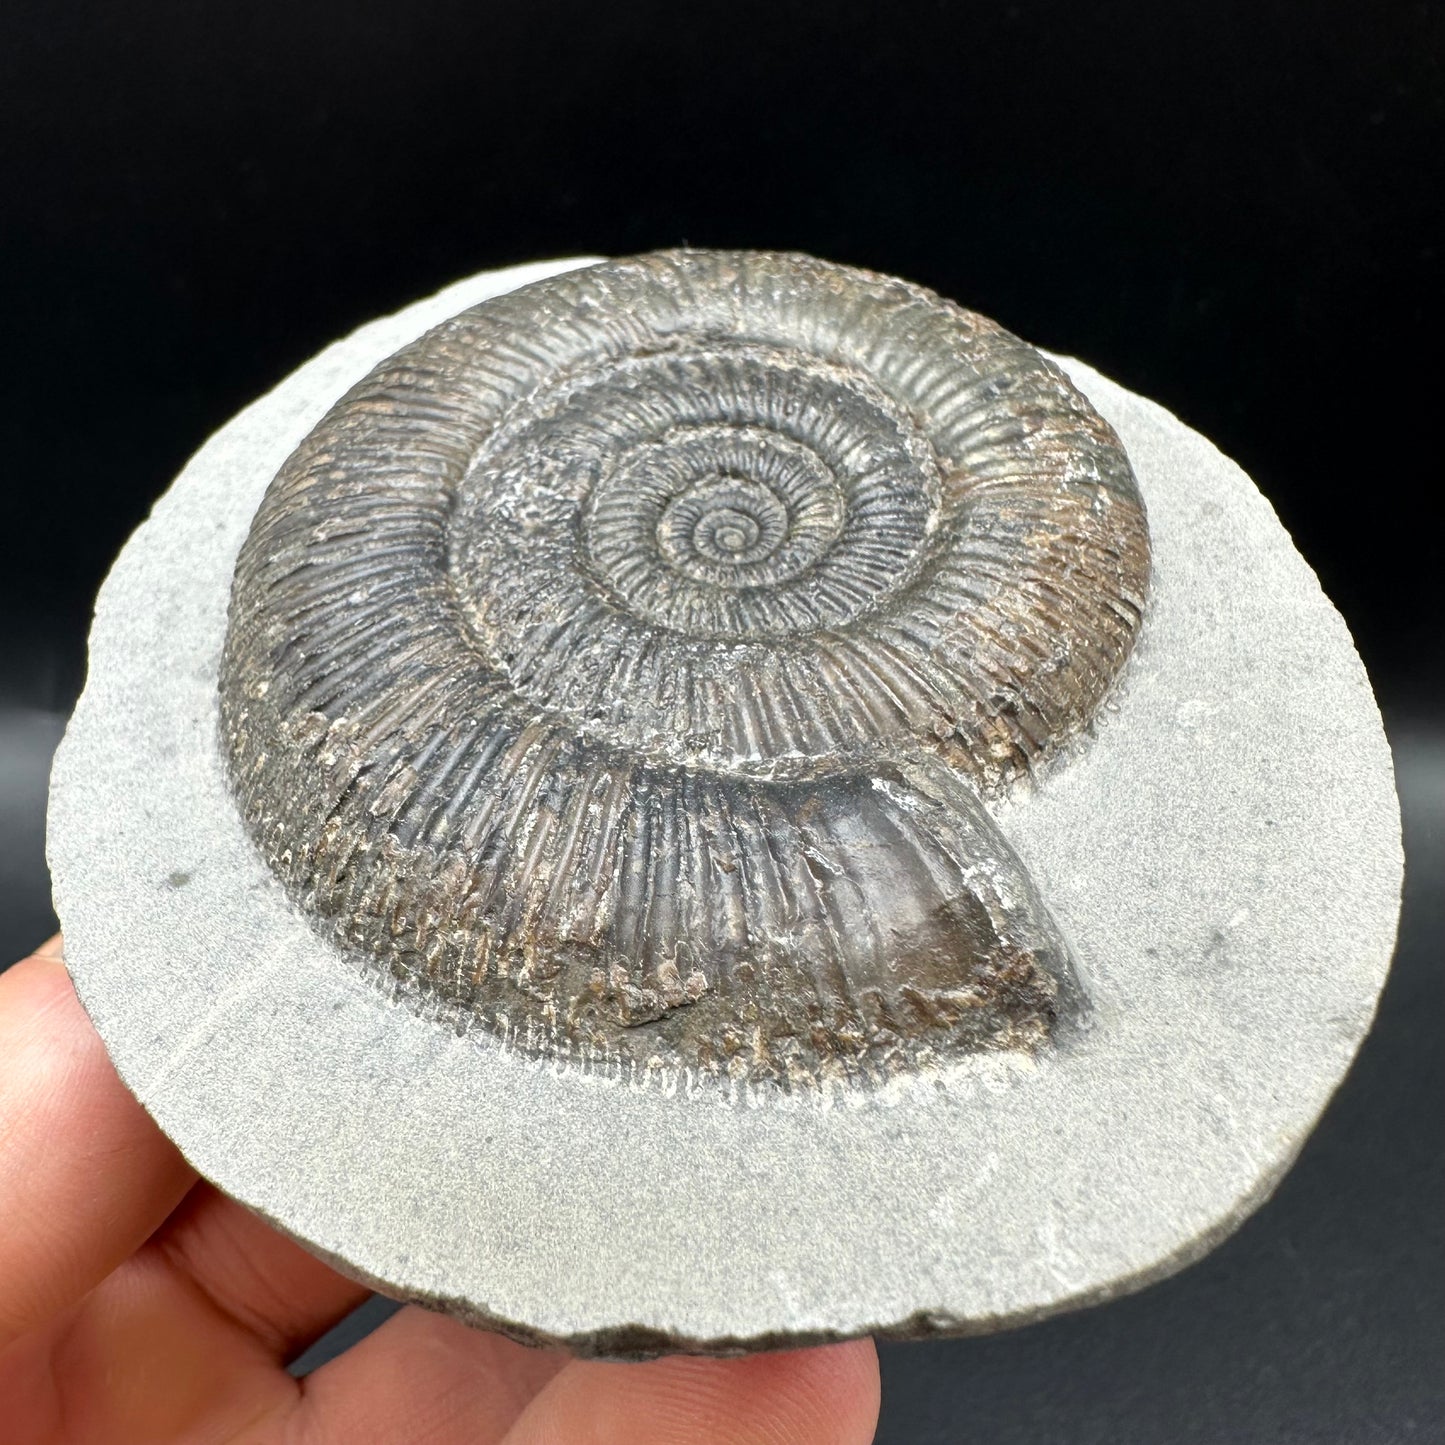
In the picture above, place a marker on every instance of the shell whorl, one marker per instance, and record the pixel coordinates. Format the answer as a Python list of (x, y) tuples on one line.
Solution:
[(623, 665)]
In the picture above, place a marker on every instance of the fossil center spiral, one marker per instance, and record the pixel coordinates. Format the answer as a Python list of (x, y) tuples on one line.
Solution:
[(718, 525)]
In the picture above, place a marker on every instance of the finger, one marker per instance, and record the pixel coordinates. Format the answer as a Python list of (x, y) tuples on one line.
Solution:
[(822, 1396), (431, 1381), (274, 1288), (270, 1286), (286, 1297), (85, 1176), (425, 1379), (175, 1344), (143, 1358)]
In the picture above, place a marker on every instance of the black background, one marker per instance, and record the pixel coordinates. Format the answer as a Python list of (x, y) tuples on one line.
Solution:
[(1234, 208)]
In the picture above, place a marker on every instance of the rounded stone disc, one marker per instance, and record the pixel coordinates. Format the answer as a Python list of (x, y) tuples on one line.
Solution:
[(1220, 853)]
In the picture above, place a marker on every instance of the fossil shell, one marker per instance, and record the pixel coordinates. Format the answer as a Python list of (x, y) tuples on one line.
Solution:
[(625, 666)]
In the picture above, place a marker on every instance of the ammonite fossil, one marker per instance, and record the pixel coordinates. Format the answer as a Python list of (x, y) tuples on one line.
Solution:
[(627, 664)]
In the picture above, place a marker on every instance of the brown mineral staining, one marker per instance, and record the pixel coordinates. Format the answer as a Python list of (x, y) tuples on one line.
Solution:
[(622, 666)]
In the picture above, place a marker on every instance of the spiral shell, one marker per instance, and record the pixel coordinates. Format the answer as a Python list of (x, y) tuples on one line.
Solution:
[(624, 666)]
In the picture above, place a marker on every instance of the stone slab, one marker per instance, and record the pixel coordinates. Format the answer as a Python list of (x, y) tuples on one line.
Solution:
[(1223, 855)]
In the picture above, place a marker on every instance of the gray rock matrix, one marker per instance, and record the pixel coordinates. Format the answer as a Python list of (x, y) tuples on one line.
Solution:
[(1213, 841)]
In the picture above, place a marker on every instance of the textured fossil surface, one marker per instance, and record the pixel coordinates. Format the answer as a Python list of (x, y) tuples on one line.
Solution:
[(625, 664)]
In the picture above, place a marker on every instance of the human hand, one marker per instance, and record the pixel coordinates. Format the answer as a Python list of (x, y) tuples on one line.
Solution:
[(139, 1306)]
